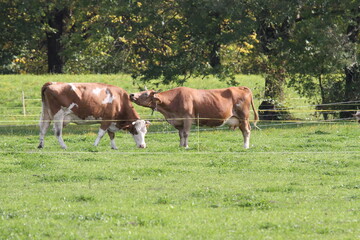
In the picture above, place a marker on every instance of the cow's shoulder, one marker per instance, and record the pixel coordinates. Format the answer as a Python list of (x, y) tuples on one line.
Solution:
[(56, 87), (182, 91), (240, 88)]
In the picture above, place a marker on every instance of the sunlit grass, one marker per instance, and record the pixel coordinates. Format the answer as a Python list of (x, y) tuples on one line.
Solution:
[(297, 181)]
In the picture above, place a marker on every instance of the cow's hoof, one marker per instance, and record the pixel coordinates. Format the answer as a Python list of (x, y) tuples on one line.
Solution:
[(40, 146)]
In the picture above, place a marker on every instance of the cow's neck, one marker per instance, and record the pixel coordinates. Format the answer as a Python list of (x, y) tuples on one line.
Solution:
[(161, 108), (127, 118)]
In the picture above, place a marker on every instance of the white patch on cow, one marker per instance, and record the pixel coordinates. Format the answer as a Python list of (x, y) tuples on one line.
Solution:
[(357, 115), (92, 118), (232, 121), (113, 145), (58, 125), (67, 110), (140, 126), (71, 106), (68, 115), (71, 117), (109, 98), (113, 127), (72, 86), (246, 140), (100, 135), (53, 82), (97, 91)]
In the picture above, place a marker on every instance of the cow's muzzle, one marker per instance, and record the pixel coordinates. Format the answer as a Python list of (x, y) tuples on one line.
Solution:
[(132, 97)]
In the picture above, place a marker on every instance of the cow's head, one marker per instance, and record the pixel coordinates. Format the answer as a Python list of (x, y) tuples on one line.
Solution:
[(357, 115), (138, 130), (147, 98)]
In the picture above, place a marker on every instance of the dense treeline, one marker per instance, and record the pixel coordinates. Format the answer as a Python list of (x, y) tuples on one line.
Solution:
[(311, 45)]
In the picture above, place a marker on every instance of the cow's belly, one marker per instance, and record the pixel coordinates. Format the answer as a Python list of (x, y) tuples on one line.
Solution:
[(211, 122), (176, 122), (71, 117)]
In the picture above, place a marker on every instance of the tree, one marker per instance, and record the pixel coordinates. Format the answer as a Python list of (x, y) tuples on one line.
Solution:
[(172, 40), (16, 25), (352, 69), (322, 50), (38, 26)]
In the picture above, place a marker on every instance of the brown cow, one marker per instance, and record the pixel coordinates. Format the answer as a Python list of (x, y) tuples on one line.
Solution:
[(185, 106), (89, 103), (357, 115)]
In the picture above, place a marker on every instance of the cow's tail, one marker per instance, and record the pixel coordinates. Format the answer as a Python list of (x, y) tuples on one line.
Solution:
[(256, 115), (44, 87), (45, 113)]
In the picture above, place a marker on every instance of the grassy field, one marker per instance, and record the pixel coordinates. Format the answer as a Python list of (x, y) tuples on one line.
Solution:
[(297, 181)]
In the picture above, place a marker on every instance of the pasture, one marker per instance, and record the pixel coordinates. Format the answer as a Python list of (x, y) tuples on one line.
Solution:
[(298, 180)]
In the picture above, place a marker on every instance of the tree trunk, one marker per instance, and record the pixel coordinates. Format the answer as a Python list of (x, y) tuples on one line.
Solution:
[(215, 56), (53, 41), (352, 72), (274, 94), (352, 89), (275, 78), (274, 83), (322, 107)]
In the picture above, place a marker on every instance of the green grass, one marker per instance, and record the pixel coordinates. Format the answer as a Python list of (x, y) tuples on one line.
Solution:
[(297, 181), (293, 183)]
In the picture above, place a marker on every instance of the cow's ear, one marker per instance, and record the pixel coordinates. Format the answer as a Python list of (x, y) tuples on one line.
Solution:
[(157, 98), (147, 124)]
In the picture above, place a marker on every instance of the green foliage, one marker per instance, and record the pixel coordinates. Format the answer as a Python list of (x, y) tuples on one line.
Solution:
[(167, 42), (291, 181)]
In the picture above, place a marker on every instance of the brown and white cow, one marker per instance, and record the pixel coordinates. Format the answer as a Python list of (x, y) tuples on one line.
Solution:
[(357, 115), (89, 103), (185, 106)]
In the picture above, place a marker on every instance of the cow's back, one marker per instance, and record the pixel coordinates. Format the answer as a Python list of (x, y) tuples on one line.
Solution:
[(210, 106)]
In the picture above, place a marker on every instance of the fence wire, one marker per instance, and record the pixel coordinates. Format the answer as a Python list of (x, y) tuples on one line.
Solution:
[(29, 115)]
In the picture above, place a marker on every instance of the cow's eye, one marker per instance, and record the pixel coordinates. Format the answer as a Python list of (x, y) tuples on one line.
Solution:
[(133, 131)]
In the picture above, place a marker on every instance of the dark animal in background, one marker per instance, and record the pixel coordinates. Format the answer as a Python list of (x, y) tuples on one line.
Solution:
[(357, 115)]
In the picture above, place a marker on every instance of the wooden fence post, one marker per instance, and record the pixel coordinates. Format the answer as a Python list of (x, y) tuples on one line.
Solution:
[(23, 103)]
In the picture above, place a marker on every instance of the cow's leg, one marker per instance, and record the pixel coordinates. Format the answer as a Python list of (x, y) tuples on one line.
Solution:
[(58, 126), (181, 135), (44, 125), (184, 133), (101, 133), (102, 130), (245, 129), (187, 127), (112, 141)]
